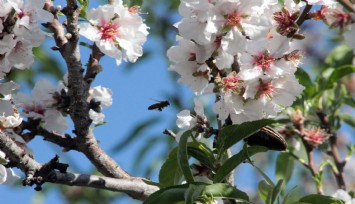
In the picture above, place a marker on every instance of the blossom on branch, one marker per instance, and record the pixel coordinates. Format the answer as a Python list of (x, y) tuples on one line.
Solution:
[(9, 116), (40, 105), (240, 51), (20, 32), (118, 31), (196, 122), (99, 98), (315, 137)]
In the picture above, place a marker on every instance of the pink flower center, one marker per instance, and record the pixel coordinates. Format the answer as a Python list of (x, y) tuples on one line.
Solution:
[(265, 89), (192, 56), (286, 21), (315, 137), (233, 19), (217, 42), (232, 83), (21, 14), (109, 31), (263, 60)]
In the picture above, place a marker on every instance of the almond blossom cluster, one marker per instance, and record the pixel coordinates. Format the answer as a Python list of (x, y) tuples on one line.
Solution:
[(41, 105), (20, 32), (50, 104), (117, 31), (99, 98), (243, 51), (336, 17), (196, 122)]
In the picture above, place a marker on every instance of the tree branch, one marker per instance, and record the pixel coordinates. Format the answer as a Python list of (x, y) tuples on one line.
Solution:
[(38, 174), (137, 188), (78, 88), (17, 154)]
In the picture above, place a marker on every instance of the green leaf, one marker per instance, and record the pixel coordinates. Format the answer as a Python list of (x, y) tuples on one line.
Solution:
[(349, 101), (276, 191), (100, 124), (305, 80), (169, 173), (201, 157), (173, 195), (192, 192), (264, 190), (230, 135), (202, 153), (339, 73), (284, 166), (288, 196), (183, 159), (2, 161), (223, 190), (230, 164), (317, 199), (348, 119), (136, 3), (351, 149), (340, 56), (84, 8), (267, 192)]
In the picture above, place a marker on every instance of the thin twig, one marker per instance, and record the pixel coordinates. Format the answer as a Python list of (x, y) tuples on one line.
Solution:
[(301, 19), (339, 163)]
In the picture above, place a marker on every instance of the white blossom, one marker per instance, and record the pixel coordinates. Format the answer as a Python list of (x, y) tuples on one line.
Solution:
[(96, 117), (7, 175), (40, 105), (186, 121), (343, 195), (117, 31), (102, 95)]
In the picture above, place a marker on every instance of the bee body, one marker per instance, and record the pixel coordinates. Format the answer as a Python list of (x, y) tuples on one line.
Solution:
[(159, 106)]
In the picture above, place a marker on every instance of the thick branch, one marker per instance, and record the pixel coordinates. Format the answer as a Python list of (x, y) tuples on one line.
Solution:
[(37, 173), (78, 88), (104, 163), (137, 188), (17, 154)]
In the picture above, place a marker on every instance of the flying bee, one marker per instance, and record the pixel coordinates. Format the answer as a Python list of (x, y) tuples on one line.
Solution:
[(267, 137), (159, 105)]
